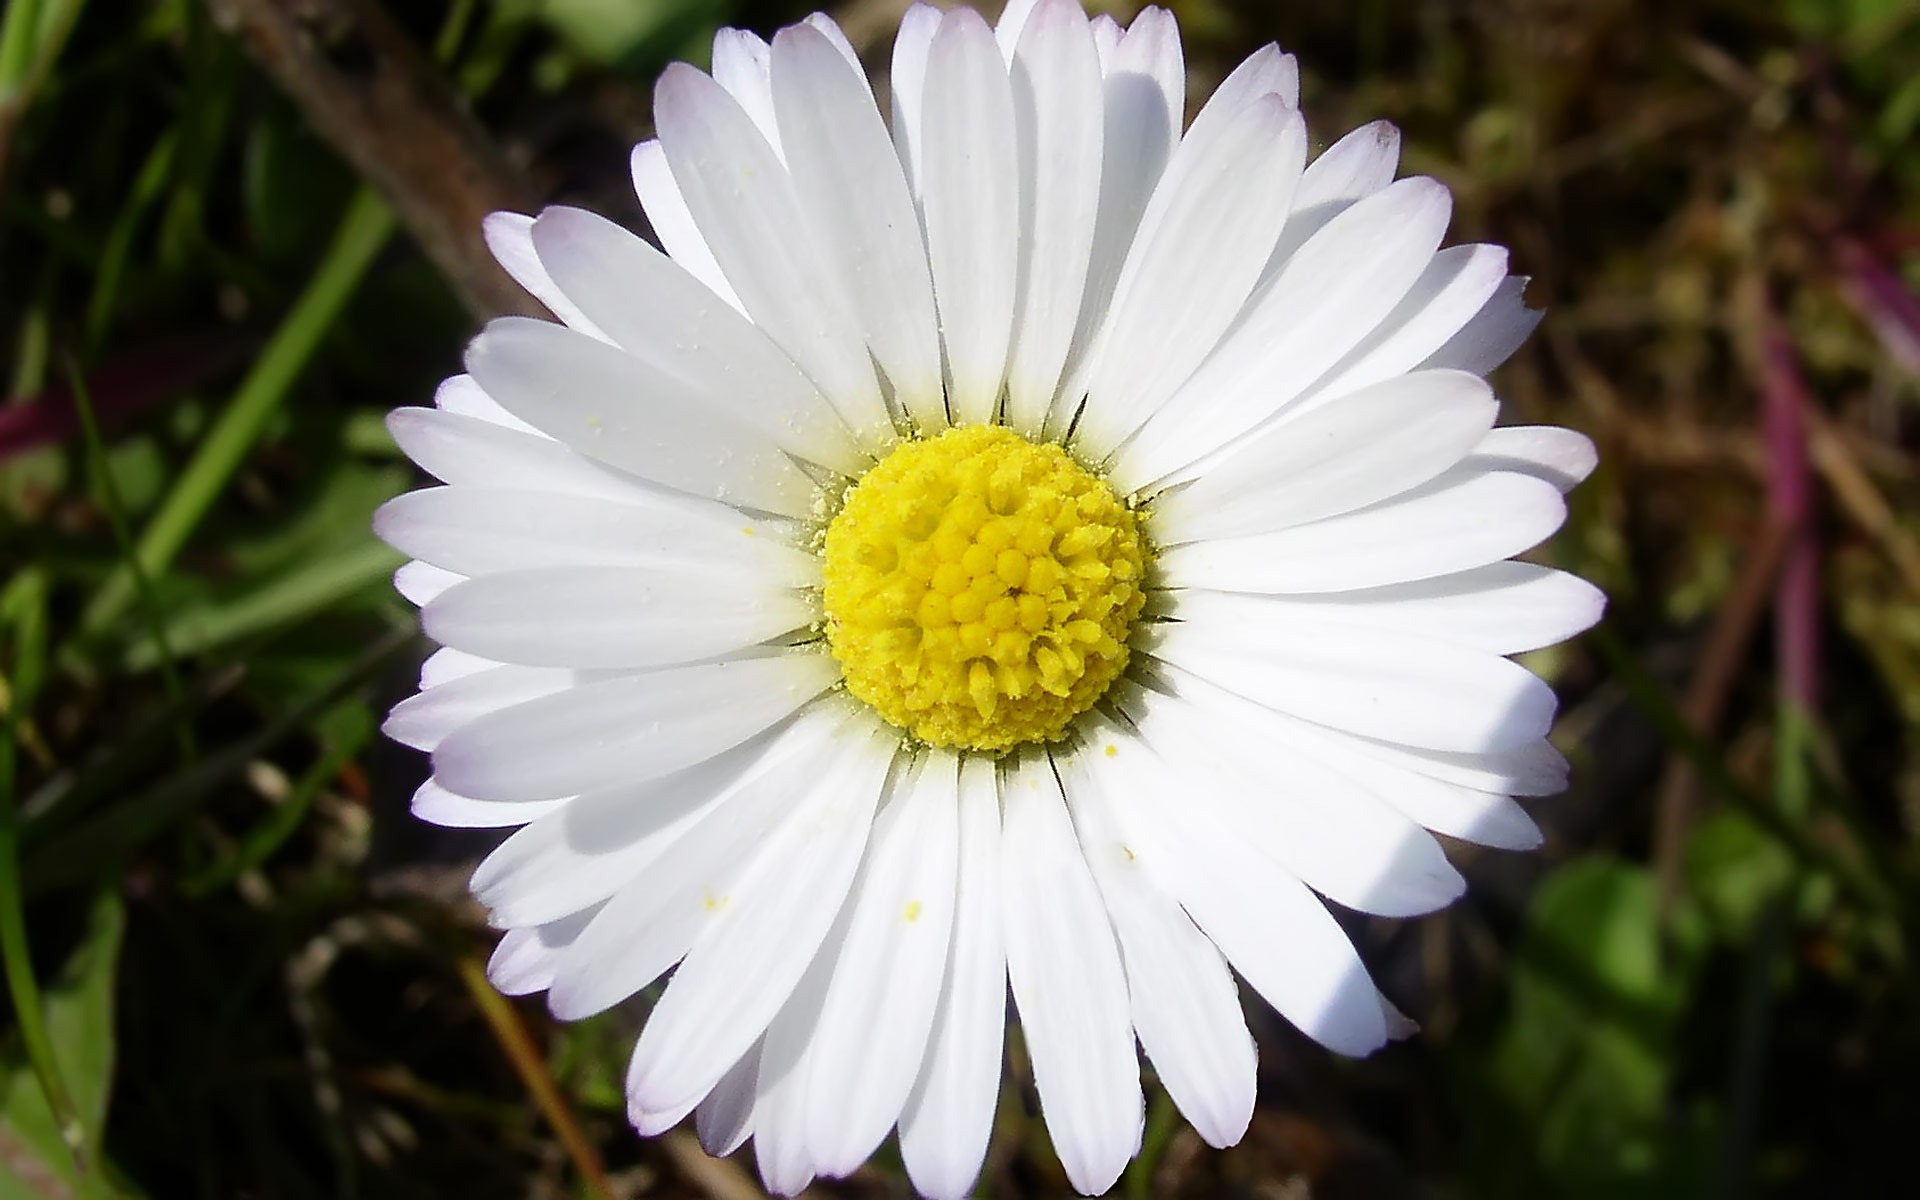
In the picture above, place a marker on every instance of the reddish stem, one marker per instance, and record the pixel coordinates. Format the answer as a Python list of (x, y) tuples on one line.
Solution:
[(1790, 502), (1884, 299), (118, 390)]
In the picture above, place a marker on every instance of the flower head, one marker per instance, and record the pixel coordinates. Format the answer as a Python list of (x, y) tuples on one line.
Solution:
[(1024, 545)]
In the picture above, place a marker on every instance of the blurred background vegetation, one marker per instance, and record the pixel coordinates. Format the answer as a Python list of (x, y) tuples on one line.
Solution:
[(234, 233)]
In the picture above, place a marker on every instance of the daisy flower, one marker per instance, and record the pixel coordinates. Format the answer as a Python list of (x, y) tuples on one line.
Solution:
[(1017, 547)]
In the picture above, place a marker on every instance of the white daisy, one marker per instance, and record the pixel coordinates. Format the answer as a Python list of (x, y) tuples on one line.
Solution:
[(1028, 547)]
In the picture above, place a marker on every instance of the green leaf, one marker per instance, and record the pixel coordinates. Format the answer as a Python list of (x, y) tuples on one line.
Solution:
[(586, 1057), (1735, 870), (34, 1159), (1588, 1047), (292, 187), (629, 32), (259, 606), (363, 231)]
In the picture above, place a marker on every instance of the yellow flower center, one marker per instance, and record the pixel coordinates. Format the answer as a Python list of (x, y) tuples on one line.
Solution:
[(980, 588)]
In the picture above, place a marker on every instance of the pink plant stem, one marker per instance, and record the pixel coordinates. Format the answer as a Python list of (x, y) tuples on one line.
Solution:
[(1790, 503), (1884, 299), (119, 391)]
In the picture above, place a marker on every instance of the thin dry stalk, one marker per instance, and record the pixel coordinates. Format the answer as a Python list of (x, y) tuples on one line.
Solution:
[(389, 112), (528, 1063)]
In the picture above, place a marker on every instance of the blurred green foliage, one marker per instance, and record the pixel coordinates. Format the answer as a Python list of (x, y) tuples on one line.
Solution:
[(236, 955), (79, 1008)]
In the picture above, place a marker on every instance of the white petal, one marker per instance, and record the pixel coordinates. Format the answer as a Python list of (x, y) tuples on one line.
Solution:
[(1317, 824), (422, 721), (744, 202), (725, 1118), (878, 1012), (1456, 284), (518, 967), (853, 192), (1327, 298), (1562, 457), (604, 840), (838, 36), (1494, 333), (1371, 446), (1276, 933), (1461, 812), (616, 617), (1536, 769), (1457, 522), (510, 236), (1067, 983), (438, 806), (1145, 93), (949, 1115), (1205, 232), (908, 77), (673, 224), (768, 933), (420, 582), (523, 961), (1185, 1004), (629, 414), (447, 664), (1353, 168), (781, 1146), (1266, 71), (457, 448), (481, 530), (1503, 608), (680, 885), (969, 189), (742, 64), (1373, 682), (1451, 794), (653, 1124), (1013, 21), (462, 396), (632, 727), (1106, 40), (1058, 114), (652, 308)]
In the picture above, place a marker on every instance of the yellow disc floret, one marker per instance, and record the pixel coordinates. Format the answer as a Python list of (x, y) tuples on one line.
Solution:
[(980, 588)]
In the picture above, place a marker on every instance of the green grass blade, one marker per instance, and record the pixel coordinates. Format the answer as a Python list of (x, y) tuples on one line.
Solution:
[(40, 1160), (19, 44), (25, 611), (273, 831), (299, 593), (117, 519), (118, 253), (363, 232), (76, 856)]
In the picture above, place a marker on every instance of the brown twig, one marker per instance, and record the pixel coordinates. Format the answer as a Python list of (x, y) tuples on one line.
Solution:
[(717, 1178), (511, 1032), (1860, 499), (390, 113)]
